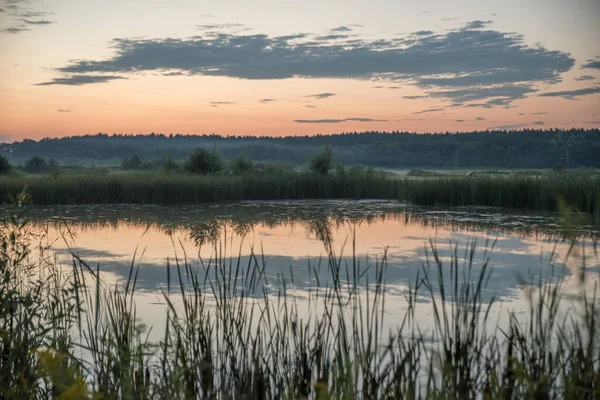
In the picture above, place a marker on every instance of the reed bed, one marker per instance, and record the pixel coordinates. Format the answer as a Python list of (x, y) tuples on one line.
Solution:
[(232, 332), (579, 189)]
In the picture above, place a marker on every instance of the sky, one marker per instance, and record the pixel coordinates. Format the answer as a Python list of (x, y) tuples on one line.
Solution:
[(283, 67)]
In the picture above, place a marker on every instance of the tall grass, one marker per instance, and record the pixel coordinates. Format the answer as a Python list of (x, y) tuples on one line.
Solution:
[(233, 332), (580, 189)]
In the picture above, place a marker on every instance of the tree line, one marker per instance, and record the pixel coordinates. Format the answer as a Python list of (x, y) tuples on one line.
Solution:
[(527, 148), (201, 161)]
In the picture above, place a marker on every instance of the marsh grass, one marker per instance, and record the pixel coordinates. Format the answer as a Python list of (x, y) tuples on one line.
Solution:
[(233, 332), (580, 189)]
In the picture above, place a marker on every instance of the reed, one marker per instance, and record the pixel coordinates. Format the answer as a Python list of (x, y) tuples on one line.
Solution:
[(579, 189), (231, 331)]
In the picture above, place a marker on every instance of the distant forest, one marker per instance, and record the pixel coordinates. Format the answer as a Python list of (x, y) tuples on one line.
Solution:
[(527, 148)]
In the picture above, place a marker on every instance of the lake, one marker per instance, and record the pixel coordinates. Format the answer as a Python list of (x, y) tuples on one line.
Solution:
[(294, 241)]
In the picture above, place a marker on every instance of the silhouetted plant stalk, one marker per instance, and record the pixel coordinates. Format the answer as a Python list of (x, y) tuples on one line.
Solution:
[(232, 331)]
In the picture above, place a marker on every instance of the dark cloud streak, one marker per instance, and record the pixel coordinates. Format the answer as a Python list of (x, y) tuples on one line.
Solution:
[(321, 95), (341, 29), (336, 121), (19, 14), (77, 80), (592, 64), (585, 78), (15, 29), (572, 94), (428, 110), (39, 22)]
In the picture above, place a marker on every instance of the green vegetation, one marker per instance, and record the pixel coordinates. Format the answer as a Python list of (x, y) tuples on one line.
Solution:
[(169, 188), (241, 165), (581, 189), (204, 162), (231, 331), (36, 165), (5, 167), (527, 148), (131, 163), (169, 165), (323, 162)]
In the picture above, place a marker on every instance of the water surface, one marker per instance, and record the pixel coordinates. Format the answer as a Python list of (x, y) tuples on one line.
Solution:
[(295, 239)]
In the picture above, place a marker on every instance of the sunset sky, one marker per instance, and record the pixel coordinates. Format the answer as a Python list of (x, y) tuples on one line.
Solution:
[(281, 67)]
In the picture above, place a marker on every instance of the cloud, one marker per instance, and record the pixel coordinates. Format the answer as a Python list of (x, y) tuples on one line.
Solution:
[(15, 29), (365, 120), (539, 113), (174, 73), (449, 19), (341, 29), (592, 63), (424, 33), (521, 113), (414, 97), (387, 87), (77, 80), (321, 95), (266, 100), (500, 95), (592, 122), (19, 13), (459, 120), (310, 106), (539, 123), (428, 110), (220, 103), (479, 119), (39, 22), (585, 78), (331, 37), (64, 111), (506, 127), (477, 24), (31, 14), (497, 68), (221, 26), (336, 121), (572, 94)]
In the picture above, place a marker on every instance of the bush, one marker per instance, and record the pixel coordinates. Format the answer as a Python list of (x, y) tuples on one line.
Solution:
[(323, 162), (134, 162), (241, 165), (36, 165), (204, 162), (4, 165), (169, 165)]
